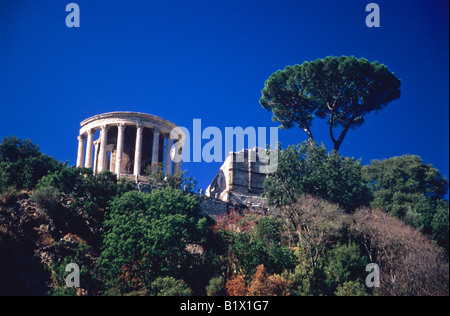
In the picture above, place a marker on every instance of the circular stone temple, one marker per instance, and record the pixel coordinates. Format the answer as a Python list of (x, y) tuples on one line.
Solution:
[(128, 143)]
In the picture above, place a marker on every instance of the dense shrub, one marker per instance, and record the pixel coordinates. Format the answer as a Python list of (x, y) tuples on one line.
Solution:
[(48, 198), (22, 165), (216, 287), (407, 188), (317, 241), (342, 268), (156, 177), (146, 236), (169, 286)]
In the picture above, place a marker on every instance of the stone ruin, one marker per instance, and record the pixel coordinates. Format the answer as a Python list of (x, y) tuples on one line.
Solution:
[(239, 180), (129, 142)]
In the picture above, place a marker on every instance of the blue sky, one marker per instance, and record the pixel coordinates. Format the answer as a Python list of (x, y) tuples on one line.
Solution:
[(209, 59)]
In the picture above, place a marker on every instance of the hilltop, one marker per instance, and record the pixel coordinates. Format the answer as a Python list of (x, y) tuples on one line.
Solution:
[(161, 242)]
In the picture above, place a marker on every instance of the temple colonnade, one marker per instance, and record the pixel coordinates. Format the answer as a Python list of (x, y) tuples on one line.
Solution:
[(128, 143)]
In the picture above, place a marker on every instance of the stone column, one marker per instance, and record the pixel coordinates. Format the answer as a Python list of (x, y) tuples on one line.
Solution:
[(80, 157), (96, 146), (168, 159), (109, 160), (119, 148), (102, 153), (90, 148), (155, 149), (177, 165), (138, 151)]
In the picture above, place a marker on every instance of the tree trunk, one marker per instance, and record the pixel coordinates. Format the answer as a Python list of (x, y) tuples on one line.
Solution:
[(338, 143), (310, 136)]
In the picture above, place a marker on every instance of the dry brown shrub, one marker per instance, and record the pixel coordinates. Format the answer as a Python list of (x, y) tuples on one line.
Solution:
[(317, 224), (261, 284), (410, 263)]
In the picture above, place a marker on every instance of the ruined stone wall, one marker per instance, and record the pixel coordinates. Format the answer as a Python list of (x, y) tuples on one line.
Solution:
[(240, 179), (237, 185)]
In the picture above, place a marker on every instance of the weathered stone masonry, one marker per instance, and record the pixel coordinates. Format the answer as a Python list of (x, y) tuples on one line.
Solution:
[(240, 180), (129, 142)]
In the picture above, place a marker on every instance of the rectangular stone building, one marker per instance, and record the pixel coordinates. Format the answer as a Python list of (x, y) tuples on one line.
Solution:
[(240, 179)]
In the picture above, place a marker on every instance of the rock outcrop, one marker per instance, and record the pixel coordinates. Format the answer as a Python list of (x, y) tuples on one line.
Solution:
[(32, 240)]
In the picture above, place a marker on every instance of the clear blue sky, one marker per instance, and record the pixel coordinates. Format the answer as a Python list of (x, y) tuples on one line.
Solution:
[(209, 59)]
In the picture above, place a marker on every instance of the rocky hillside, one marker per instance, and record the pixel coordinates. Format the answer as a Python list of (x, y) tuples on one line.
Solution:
[(34, 240), (327, 228)]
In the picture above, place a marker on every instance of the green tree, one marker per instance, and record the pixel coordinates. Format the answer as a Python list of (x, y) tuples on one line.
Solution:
[(268, 230), (90, 196), (146, 237), (351, 288), (407, 188), (91, 192), (80, 254), (309, 169), (169, 286), (342, 89), (261, 245), (300, 279), (216, 287), (341, 264), (22, 165), (48, 198), (156, 177)]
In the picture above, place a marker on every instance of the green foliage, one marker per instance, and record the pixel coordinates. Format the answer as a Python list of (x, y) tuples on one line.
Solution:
[(86, 195), (408, 189), (59, 273), (351, 288), (22, 165), (300, 280), (268, 231), (157, 178), (160, 243), (262, 244), (150, 232), (216, 287), (342, 89), (439, 225), (91, 192), (48, 198), (308, 168), (342, 263), (169, 286)]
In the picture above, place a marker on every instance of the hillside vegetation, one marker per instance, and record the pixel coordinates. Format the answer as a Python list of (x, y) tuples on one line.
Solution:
[(331, 218)]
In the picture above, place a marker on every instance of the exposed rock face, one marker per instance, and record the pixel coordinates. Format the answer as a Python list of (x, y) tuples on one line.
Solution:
[(23, 229), (35, 238), (31, 239), (240, 180)]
